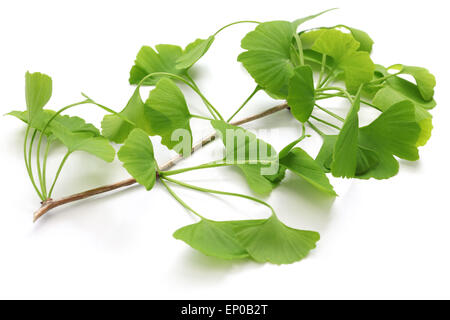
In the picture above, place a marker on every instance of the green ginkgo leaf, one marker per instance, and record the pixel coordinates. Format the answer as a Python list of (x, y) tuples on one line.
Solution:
[(39, 120), (424, 79), (166, 111), (38, 91), (315, 58), (259, 183), (300, 163), (277, 177), (76, 135), (149, 61), (138, 158), (269, 240), (396, 90), (116, 129), (366, 159), (73, 132), (216, 239), (365, 41), (193, 52), (301, 96), (424, 119), (383, 166), (75, 124), (325, 156), (346, 146), (357, 66), (377, 164), (268, 56), (308, 38), (335, 43), (72, 123), (241, 147), (396, 130)]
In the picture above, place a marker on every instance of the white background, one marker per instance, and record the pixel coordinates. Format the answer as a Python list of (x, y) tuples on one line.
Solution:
[(380, 239)]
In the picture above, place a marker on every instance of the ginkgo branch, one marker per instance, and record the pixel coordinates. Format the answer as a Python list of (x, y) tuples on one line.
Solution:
[(49, 204)]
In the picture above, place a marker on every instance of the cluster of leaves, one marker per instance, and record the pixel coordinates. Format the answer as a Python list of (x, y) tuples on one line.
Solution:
[(302, 68)]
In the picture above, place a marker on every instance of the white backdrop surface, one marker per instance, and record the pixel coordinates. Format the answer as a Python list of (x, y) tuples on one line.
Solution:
[(379, 239)]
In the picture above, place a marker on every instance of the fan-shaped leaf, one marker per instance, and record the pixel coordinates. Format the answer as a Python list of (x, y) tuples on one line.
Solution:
[(396, 90), (76, 135), (301, 163), (270, 240), (424, 79), (39, 120), (138, 159), (116, 129), (366, 159), (149, 61), (346, 147), (73, 132), (424, 118), (166, 111), (343, 48), (259, 183), (365, 41), (193, 52), (301, 97), (216, 239), (371, 163), (396, 130), (38, 90), (268, 55), (241, 147)]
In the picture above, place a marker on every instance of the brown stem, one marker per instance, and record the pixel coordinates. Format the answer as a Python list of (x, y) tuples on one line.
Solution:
[(50, 203)]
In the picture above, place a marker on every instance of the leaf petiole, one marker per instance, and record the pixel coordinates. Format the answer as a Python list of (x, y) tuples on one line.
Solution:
[(44, 167), (334, 115), (58, 173), (371, 105), (245, 103), (27, 159), (232, 194), (214, 164), (180, 201), (200, 117), (322, 95), (234, 23), (329, 77), (383, 78), (205, 101), (345, 92), (300, 48), (326, 122), (322, 70), (320, 132)]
